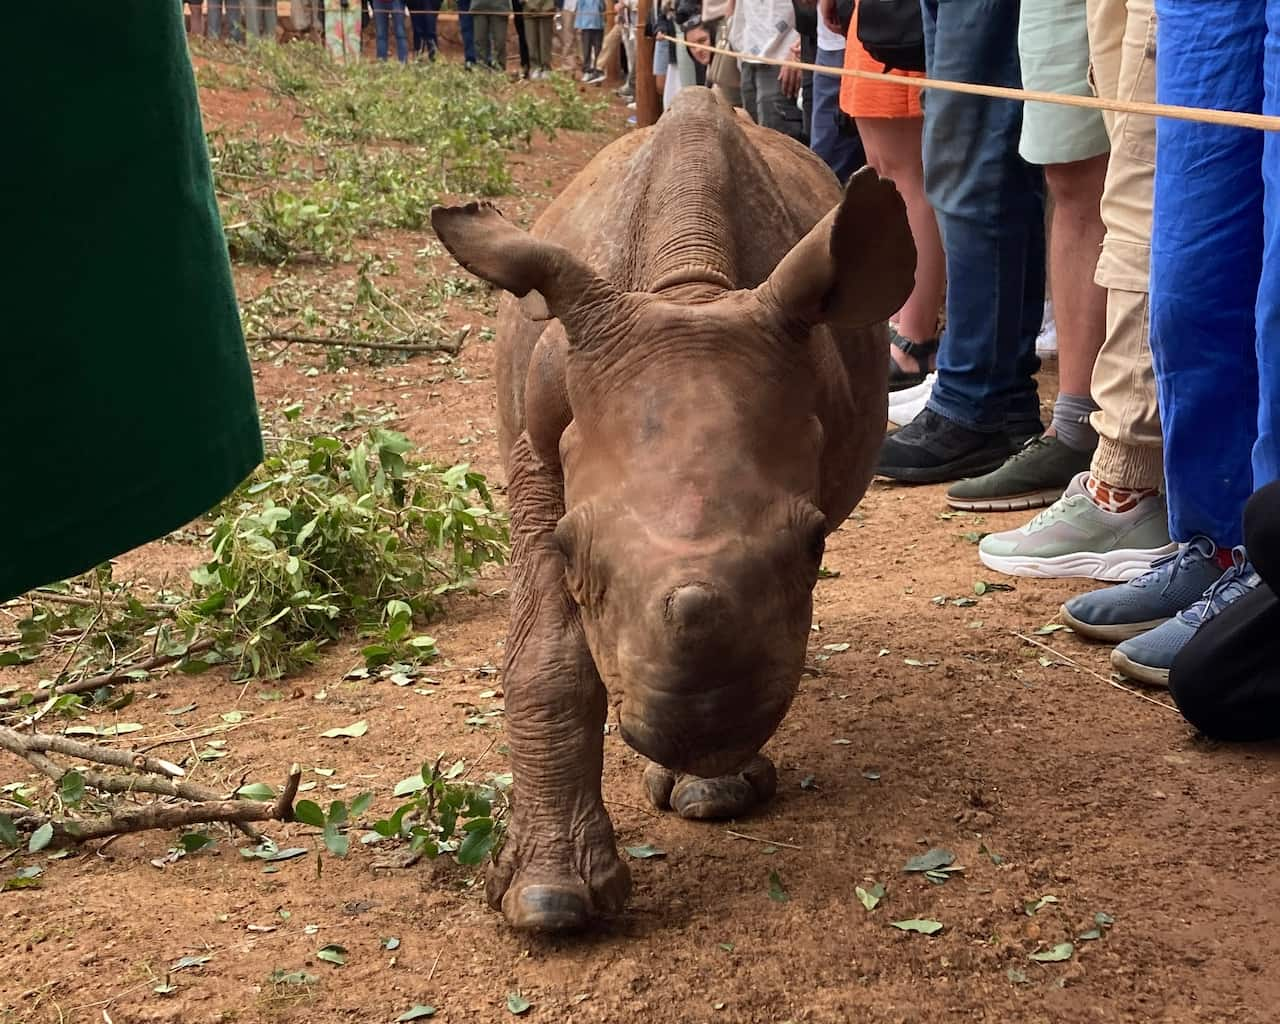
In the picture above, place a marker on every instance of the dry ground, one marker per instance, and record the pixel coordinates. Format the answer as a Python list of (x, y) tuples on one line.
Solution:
[(937, 726)]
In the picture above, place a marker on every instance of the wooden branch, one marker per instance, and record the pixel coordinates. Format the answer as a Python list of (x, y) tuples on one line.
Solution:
[(169, 816), (107, 678), (54, 597), (103, 755), (382, 346)]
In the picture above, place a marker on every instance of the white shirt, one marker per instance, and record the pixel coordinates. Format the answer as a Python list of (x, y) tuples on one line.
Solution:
[(764, 28), (828, 40)]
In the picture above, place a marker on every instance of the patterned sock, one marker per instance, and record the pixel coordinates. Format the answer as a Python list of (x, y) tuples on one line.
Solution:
[(1115, 499), (1071, 421)]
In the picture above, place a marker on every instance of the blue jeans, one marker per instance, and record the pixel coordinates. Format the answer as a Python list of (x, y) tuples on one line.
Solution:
[(393, 11), (1215, 264), (842, 153), (466, 25), (423, 13), (990, 208), (235, 24)]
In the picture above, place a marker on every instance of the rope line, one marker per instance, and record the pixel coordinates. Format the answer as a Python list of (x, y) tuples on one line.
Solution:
[(1204, 115)]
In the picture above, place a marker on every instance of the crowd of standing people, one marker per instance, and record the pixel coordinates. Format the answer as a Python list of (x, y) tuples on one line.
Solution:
[(1159, 243)]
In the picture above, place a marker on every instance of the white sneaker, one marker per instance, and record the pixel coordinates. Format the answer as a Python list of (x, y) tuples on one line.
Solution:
[(1047, 340), (905, 405)]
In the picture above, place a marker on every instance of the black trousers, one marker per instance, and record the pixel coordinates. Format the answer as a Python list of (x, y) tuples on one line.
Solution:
[(1226, 681)]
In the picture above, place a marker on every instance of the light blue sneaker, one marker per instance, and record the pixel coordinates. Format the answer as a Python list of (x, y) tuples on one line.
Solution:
[(1149, 600), (1148, 658)]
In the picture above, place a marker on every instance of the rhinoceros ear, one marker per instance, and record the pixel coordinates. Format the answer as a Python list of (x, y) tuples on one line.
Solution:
[(856, 267), (550, 280)]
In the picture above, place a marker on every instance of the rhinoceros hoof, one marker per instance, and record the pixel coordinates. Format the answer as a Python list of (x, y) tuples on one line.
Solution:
[(727, 796), (562, 889)]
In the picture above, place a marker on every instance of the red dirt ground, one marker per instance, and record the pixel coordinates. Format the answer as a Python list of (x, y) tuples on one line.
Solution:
[(972, 739)]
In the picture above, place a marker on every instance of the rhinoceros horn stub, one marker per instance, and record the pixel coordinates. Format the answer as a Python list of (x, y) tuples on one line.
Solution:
[(855, 267), (492, 248)]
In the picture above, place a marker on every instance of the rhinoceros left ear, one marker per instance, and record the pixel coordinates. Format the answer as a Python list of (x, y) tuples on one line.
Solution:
[(856, 267), (551, 280)]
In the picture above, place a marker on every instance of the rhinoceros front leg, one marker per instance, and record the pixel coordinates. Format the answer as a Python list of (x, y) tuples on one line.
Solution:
[(559, 866), (724, 797)]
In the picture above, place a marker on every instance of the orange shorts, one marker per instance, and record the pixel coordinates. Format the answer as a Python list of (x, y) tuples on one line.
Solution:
[(862, 98)]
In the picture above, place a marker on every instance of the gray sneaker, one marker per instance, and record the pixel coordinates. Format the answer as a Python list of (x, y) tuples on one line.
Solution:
[(1148, 658), (1034, 476), (1173, 583), (1073, 537)]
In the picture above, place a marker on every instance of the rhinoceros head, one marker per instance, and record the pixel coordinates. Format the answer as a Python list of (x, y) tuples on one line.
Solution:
[(692, 460)]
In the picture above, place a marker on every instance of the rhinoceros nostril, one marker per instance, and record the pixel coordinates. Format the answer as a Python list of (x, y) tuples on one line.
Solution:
[(693, 606)]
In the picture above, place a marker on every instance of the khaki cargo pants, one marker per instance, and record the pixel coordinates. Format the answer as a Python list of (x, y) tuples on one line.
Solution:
[(1122, 51)]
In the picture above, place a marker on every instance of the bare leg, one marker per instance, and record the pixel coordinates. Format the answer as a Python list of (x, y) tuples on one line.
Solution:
[(197, 18), (894, 149), (559, 866), (1080, 305)]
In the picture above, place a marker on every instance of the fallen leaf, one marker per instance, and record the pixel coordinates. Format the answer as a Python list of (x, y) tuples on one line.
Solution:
[(332, 954), (842, 743), (353, 731), (645, 852), (1062, 951), (517, 1005), (416, 1013), (1016, 976), (1092, 935), (870, 898), (1103, 920), (1032, 907), (185, 709), (190, 961), (871, 775), (930, 861), (986, 852), (924, 927), (776, 892), (836, 648), (40, 838), (1052, 627), (808, 782), (728, 947), (391, 943), (293, 978), (256, 791), (232, 717)]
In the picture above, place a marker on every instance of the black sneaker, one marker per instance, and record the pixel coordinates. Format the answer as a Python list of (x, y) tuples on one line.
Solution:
[(931, 450)]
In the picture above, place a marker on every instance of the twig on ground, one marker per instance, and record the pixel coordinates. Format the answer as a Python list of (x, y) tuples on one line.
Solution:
[(1097, 675), (768, 842), (383, 346), (107, 678)]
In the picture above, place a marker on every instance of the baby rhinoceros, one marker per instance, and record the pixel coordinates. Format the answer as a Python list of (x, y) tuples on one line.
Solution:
[(691, 394)]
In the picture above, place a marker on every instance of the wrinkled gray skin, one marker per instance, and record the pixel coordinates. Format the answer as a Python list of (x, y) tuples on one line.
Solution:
[(678, 440)]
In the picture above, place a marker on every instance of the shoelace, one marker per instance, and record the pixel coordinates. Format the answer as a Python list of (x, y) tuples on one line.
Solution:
[(1200, 545), (1232, 584)]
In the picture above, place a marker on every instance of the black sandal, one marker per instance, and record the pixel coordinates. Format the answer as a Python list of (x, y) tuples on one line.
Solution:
[(920, 351)]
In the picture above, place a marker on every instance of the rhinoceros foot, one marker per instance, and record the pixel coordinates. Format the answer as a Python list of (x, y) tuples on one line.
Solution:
[(547, 880), (726, 796)]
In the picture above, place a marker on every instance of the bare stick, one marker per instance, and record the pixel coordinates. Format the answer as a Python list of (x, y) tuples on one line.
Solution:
[(757, 839), (1098, 675), (103, 755), (169, 816), (54, 597), (382, 346), (107, 678)]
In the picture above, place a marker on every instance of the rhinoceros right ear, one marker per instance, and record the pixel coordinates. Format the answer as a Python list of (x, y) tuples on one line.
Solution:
[(857, 265), (550, 280)]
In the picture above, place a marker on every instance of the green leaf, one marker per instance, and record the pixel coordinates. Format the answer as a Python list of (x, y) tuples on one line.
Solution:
[(332, 954), (987, 852), (477, 844), (870, 898), (644, 852), (776, 892), (391, 943), (293, 978), (8, 831), (1032, 907), (20, 881), (309, 813), (361, 804), (1092, 935), (193, 842), (413, 784), (71, 789), (190, 961), (1062, 951), (1103, 920), (518, 1005), (1052, 627), (256, 791), (931, 861), (418, 1012), (335, 842), (40, 838), (353, 731), (924, 927)]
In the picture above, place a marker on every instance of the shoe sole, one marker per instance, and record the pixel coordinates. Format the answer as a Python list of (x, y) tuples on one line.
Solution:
[(1013, 503), (1118, 566), (958, 470), (1116, 634), (1138, 672)]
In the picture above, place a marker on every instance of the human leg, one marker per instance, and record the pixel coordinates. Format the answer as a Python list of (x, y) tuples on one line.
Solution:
[(989, 205), (842, 152), (467, 29), (773, 109), (522, 40), (498, 40), (397, 25), (381, 19)]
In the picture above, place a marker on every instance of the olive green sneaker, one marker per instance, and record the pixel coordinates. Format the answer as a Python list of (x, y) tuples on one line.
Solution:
[(1032, 477)]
